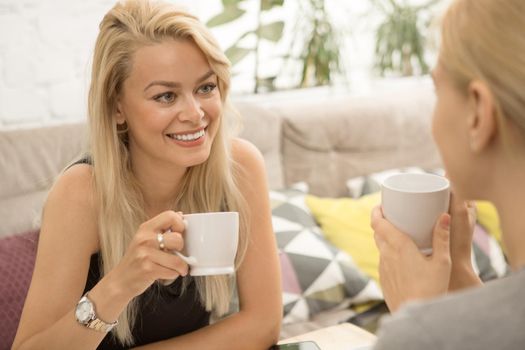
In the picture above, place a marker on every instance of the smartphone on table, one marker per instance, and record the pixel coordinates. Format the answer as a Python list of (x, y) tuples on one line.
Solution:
[(302, 345)]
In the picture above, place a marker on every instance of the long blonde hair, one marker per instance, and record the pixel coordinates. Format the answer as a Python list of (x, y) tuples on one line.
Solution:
[(484, 39), (211, 186)]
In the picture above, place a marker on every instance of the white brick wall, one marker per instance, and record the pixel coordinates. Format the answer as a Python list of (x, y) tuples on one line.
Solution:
[(45, 47), (45, 54)]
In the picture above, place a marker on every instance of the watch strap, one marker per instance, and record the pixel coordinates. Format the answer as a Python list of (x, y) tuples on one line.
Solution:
[(101, 326)]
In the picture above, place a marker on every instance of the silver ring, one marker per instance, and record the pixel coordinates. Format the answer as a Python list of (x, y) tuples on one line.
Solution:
[(160, 239)]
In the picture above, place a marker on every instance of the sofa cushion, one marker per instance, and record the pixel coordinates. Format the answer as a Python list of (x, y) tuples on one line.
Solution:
[(30, 160), (316, 276), (346, 224), (326, 141), (17, 259)]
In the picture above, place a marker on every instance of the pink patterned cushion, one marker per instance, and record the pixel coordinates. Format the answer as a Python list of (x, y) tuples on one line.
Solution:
[(17, 259)]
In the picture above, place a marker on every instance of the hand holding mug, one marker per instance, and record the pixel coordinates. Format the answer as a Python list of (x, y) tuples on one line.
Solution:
[(406, 273), (412, 234), (147, 259)]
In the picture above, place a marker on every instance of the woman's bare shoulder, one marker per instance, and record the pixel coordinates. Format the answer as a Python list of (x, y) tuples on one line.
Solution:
[(246, 154), (71, 206), (74, 186), (250, 162)]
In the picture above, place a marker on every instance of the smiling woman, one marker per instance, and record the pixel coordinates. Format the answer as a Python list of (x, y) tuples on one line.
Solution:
[(165, 85), (113, 224)]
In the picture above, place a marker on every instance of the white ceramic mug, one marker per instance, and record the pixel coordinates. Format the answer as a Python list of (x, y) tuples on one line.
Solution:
[(413, 203), (210, 243)]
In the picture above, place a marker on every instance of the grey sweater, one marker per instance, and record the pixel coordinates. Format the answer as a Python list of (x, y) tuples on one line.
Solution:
[(490, 317)]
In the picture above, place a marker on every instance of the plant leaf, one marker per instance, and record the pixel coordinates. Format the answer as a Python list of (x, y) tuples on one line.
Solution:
[(272, 31), (229, 14), (236, 53), (268, 4), (227, 3)]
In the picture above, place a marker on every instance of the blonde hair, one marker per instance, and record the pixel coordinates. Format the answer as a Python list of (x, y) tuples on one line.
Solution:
[(207, 187), (484, 39)]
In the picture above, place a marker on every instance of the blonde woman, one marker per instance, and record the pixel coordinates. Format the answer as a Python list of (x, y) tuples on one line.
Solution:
[(160, 147), (479, 128)]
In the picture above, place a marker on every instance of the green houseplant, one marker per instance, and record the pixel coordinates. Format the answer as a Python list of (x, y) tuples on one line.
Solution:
[(314, 47), (400, 38), (319, 45), (272, 32)]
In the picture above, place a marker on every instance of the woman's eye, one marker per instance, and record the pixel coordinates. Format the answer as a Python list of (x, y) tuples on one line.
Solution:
[(206, 89), (166, 97)]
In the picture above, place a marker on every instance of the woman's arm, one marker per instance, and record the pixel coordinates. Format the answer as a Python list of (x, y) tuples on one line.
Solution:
[(67, 240), (257, 324)]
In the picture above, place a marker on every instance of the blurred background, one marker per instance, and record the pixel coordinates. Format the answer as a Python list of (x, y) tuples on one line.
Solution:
[(283, 47)]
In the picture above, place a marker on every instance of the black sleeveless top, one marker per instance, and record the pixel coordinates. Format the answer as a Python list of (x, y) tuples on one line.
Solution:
[(164, 311)]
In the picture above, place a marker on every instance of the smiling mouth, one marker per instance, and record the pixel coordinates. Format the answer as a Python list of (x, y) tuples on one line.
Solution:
[(189, 136)]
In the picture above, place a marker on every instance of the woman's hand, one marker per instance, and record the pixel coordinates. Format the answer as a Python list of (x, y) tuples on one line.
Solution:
[(404, 272), (463, 221), (144, 262)]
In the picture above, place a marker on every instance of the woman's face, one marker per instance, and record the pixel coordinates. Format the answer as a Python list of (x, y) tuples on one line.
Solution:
[(171, 104), (451, 133)]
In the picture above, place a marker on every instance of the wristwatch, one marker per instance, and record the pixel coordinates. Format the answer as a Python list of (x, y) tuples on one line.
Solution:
[(86, 316)]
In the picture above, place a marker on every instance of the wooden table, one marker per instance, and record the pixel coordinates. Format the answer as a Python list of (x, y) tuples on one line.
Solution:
[(344, 336)]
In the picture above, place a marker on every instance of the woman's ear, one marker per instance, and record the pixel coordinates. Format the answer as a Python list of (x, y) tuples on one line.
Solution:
[(119, 116), (482, 123)]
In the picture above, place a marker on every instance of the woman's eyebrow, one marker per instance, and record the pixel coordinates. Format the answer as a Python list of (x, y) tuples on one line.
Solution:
[(172, 84), (165, 83)]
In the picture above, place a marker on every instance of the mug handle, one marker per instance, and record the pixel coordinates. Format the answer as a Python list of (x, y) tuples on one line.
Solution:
[(190, 260)]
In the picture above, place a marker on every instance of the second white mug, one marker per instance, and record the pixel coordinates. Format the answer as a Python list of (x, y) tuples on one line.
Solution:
[(413, 203)]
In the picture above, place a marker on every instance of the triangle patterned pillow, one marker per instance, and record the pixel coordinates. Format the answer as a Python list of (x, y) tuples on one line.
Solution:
[(316, 276)]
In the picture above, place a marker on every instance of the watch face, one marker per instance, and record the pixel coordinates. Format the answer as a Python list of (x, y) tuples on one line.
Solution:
[(84, 311)]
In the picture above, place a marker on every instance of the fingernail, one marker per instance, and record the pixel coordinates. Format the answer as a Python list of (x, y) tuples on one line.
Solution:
[(445, 222)]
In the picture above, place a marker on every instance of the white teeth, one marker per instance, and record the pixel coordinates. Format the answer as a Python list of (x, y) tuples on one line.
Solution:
[(188, 137)]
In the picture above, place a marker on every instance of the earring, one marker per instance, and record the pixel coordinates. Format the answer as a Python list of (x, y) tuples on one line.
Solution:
[(122, 128)]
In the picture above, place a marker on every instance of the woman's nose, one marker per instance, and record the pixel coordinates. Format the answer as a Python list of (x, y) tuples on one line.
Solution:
[(191, 110)]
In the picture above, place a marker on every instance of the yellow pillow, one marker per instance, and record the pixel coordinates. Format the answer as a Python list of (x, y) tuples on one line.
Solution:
[(346, 223)]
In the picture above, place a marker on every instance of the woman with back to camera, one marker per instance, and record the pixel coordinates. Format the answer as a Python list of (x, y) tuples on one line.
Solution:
[(479, 128), (160, 146)]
